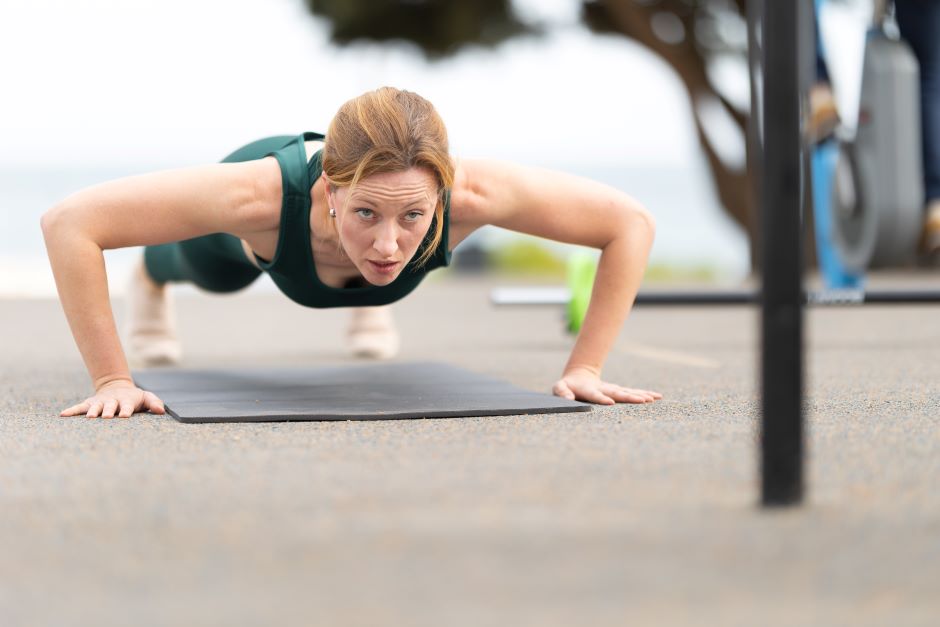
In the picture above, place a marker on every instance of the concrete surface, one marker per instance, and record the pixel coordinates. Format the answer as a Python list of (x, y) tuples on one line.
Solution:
[(626, 515)]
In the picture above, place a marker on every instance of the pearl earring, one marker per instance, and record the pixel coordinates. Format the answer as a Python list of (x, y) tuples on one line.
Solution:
[(332, 212)]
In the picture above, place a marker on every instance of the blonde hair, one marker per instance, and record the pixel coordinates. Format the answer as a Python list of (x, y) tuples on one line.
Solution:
[(390, 130)]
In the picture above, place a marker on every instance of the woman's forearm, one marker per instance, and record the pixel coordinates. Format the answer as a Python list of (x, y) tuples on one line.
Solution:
[(619, 274), (78, 266)]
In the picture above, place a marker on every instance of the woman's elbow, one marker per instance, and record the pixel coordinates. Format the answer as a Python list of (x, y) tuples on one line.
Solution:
[(639, 221), (57, 221), (50, 220)]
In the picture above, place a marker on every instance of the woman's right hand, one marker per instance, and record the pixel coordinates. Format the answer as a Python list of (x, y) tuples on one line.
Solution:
[(121, 398)]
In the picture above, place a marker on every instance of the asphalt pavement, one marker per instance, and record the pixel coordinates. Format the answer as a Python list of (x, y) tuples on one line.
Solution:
[(624, 515)]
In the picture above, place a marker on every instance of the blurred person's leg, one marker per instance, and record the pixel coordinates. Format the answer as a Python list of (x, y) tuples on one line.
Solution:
[(150, 337), (824, 117), (216, 263), (919, 22), (372, 333)]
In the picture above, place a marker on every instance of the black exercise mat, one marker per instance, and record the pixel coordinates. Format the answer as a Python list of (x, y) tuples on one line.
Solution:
[(374, 392)]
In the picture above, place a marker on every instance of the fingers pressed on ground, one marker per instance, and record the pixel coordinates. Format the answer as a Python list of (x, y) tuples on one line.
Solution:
[(127, 409), (641, 398), (600, 398), (621, 394), (81, 408), (627, 397), (561, 389), (645, 395), (109, 408), (153, 403)]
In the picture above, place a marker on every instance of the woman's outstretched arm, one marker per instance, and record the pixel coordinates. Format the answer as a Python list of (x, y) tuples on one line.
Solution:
[(134, 211), (574, 210)]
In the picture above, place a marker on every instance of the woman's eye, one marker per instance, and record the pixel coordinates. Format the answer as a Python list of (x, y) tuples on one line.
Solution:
[(414, 216), (364, 213)]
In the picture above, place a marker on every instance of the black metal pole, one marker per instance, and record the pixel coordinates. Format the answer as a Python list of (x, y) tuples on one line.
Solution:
[(781, 292)]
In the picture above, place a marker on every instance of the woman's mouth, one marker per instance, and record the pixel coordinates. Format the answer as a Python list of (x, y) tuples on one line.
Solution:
[(384, 268)]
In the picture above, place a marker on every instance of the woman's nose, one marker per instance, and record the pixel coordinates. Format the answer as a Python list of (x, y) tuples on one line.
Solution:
[(386, 243)]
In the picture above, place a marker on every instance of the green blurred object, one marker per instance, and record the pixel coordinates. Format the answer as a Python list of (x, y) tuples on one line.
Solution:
[(582, 267)]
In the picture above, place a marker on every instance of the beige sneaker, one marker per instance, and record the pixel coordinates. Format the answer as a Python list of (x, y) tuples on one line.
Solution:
[(930, 239), (150, 327), (372, 333), (823, 116)]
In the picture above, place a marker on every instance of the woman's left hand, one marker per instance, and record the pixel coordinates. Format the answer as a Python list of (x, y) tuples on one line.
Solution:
[(584, 385)]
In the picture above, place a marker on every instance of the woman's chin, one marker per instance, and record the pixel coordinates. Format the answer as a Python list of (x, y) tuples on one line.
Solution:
[(379, 282)]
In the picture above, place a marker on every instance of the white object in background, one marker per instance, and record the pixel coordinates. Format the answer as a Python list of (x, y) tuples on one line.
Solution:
[(530, 296), (842, 27)]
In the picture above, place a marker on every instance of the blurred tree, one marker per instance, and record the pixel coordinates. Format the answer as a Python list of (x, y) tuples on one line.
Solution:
[(439, 27), (697, 38)]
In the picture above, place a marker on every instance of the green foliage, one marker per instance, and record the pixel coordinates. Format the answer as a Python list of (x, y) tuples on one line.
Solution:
[(526, 257), (681, 273)]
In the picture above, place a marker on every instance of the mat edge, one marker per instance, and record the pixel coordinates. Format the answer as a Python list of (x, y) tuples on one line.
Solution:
[(344, 418)]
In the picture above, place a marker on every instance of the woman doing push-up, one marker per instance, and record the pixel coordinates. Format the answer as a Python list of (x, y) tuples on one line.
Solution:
[(353, 219)]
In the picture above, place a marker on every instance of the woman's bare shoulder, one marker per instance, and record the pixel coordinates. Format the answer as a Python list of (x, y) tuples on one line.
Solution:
[(480, 187), (265, 178), (542, 202), (471, 180), (172, 205), (464, 203)]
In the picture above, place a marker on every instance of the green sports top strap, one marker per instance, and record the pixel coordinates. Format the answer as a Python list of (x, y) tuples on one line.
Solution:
[(292, 269)]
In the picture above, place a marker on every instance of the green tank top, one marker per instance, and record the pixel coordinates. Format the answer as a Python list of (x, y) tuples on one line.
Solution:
[(292, 269)]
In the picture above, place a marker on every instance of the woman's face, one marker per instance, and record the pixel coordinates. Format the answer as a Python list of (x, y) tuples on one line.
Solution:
[(383, 221)]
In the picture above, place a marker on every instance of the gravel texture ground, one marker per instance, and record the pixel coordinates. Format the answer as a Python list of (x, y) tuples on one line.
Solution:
[(624, 515)]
